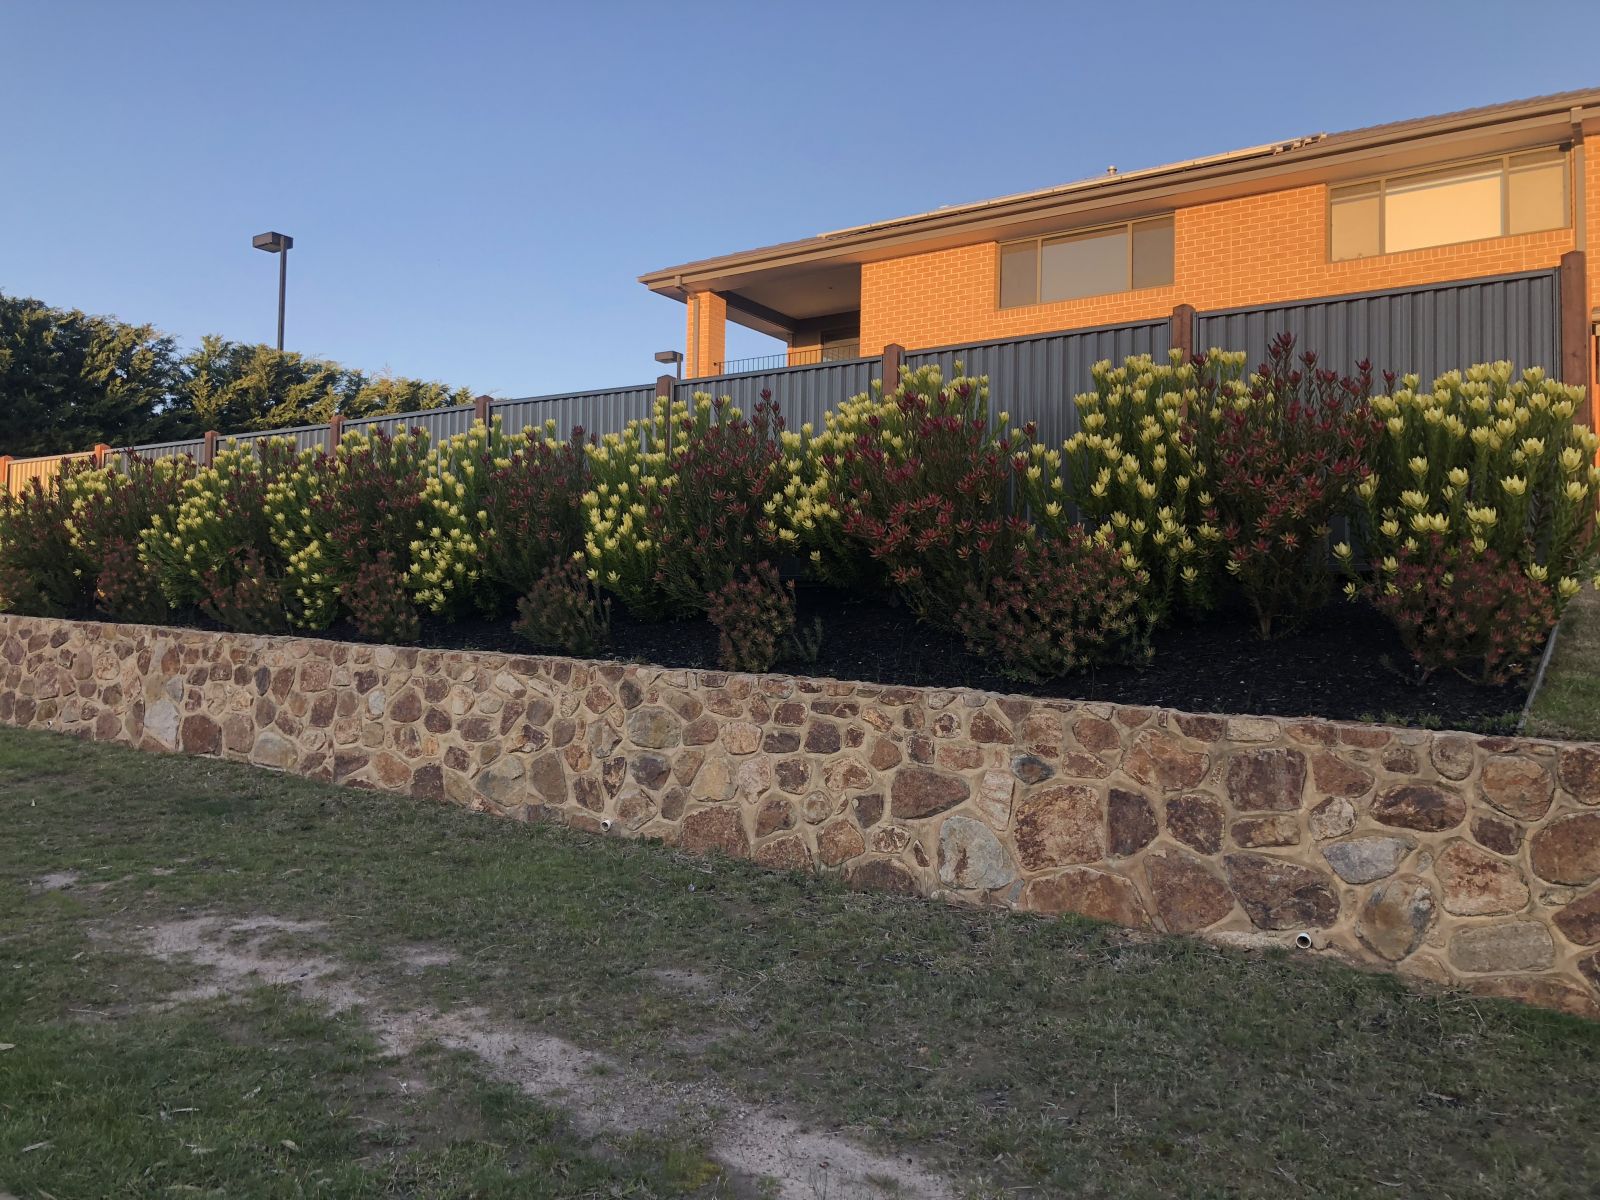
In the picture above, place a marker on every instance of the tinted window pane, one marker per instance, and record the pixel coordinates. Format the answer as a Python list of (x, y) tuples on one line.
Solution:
[(1459, 205), (1538, 192), (1354, 214), (1152, 253), (1087, 265), (1019, 274)]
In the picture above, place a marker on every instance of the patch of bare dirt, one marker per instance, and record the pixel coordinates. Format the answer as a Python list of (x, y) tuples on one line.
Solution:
[(602, 1097)]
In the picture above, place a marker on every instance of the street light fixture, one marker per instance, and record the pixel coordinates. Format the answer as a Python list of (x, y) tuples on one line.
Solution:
[(672, 356), (279, 244)]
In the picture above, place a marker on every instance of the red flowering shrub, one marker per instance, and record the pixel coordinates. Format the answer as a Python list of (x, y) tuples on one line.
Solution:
[(1469, 609), (681, 501), (1286, 461), (1065, 604), (919, 486), (754, 616), (379, 604), (565, 610), (534, 506), (111, 511), (248, 597)]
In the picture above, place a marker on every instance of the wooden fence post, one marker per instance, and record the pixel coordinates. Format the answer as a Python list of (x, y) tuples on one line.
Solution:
[(480, 409), (208, 448), (1183, 330), (101, 453), (893, 355), (335, 432), (5, 473), (664, 384), (1574, 320)]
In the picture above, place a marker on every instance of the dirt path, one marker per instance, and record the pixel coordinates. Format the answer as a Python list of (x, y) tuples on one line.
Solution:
[(603, 1097)]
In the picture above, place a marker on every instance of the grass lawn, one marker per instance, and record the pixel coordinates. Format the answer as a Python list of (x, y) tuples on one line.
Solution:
[(1568, 703), (1013, 1055)]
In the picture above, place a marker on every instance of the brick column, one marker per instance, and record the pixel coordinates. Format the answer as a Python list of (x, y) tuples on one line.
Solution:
[(208, 448), (1183, 329), (893, 355), (707, 340)]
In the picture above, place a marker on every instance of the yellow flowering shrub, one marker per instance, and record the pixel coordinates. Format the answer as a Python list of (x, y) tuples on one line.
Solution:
[(217, 549), (1138, 465), (1489, 460), (447, 550)]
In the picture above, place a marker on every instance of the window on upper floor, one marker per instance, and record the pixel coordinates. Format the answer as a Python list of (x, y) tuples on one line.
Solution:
[(1516, 193), (1117, 258)]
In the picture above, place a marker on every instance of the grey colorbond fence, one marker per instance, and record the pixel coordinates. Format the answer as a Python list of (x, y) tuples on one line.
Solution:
[(600, 412), (1035, 378), (440, 423), (1428, 330), (802, 393)]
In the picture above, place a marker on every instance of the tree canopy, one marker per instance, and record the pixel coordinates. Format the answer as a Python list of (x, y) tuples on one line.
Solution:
[(69, 380)]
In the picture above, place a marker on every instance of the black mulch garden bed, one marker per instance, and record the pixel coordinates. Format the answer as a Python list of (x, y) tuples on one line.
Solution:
[(1346, 663)]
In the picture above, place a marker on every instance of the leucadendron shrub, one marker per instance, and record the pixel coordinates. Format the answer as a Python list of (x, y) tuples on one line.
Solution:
[(1140, 466), (914, 490), (678, 503), (42, 573), (1288, 454), (534, 503), (219, 550), (111, 509), (348, 516), (447, 554), (1486, 467)]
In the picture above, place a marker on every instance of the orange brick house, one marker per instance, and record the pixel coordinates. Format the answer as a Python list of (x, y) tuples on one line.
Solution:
[(1487, 192)]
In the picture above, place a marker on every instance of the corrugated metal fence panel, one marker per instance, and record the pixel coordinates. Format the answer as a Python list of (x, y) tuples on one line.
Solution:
[(1428, 330), (306, 437), (24, 471), (599, 412), (1035, 378), (440, 423), (193, 447), (802, 394)]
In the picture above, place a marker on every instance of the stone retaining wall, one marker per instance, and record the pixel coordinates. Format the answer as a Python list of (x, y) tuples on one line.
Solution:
[(1447, 856)]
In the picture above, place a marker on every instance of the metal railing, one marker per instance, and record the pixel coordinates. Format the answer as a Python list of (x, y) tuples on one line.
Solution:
[(795, 356)]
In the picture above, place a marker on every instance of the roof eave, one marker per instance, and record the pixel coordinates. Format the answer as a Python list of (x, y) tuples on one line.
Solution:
[(1278, 158)]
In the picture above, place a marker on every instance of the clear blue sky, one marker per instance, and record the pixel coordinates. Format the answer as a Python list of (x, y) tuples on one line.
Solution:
[(474, 187)]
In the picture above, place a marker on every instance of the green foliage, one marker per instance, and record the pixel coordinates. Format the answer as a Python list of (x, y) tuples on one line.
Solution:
[(69, 380)]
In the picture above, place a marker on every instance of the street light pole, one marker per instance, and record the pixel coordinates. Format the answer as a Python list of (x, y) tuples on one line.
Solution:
[(283, 288), (279, 244)]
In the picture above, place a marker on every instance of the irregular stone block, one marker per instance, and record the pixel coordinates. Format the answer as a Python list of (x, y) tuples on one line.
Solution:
[(1278, 894), (970, 856)]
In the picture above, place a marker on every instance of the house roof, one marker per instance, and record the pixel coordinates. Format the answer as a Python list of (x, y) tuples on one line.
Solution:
[(771, 287)]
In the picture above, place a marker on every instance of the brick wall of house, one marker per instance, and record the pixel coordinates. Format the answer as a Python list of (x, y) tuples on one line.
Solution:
[(1254, 250)]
